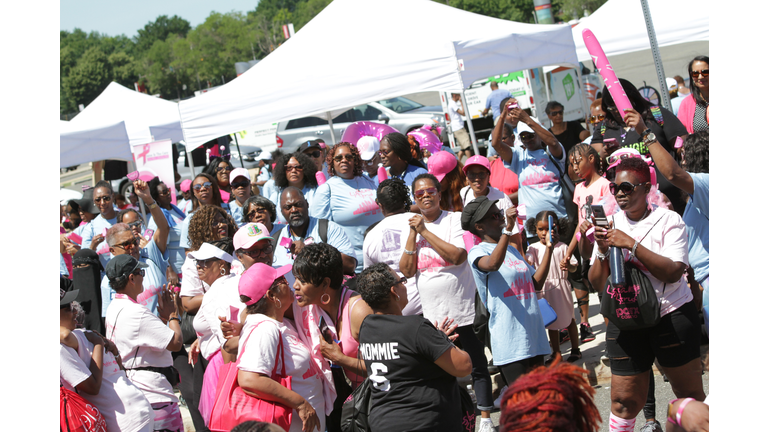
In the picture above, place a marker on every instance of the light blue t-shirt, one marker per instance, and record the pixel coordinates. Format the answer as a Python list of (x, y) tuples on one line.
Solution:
[(516, 326), (269, 189), (494, 100), (351, 204), (696, 218), (236, 212), (62, 266), (95, 227), (154, 279), (539, 181), (174, 252), (264, 176), (336, 237), (410, 173), (309, 195)]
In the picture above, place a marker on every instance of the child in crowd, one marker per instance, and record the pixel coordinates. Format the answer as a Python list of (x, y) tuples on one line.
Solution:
[(586, 164), (557, 289)]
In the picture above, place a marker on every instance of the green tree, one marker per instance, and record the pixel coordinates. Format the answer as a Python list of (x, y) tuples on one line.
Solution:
[(159, 30), (90, 76), (307, 10), (124, 68)]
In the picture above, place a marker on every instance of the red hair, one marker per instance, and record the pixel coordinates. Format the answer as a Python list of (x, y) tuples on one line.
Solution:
[(636, 166), (548, 399)]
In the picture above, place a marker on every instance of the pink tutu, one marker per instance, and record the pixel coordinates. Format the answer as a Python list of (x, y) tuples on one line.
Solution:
[(210, 380)]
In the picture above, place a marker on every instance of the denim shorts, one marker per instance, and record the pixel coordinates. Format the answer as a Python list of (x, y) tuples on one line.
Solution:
[(675, 341)]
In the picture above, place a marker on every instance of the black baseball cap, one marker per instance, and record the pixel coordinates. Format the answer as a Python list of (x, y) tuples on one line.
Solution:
[(123, 265), (67, 297), (475, 211), (86, 202), (310, 144)]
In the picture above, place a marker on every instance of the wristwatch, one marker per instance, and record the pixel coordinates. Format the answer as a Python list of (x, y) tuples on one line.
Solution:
[(648, 138), (505, 232), (601, 256), (153, 205)]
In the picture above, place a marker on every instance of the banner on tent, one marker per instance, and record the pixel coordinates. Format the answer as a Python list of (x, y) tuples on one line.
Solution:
[(156, 159)]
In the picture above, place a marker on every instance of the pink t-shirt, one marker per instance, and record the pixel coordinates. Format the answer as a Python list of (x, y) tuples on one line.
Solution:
[(598, 189), (667, 238)]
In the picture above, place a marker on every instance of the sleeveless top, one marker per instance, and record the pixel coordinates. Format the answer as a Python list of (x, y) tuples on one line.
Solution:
[(347, 343)]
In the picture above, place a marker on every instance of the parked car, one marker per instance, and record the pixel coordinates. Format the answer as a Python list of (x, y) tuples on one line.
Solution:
[(400, 113)]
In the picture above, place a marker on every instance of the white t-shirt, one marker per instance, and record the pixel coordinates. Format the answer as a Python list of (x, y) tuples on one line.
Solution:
[(122, 404), (385, 243), (216, 302), (445, 290), (669, 239), (260, 354), (453, 111), (191, 285), (141, 339), (468, 195)]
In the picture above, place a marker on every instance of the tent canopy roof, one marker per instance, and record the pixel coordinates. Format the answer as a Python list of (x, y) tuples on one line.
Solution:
[(82, 144), (339, 60)]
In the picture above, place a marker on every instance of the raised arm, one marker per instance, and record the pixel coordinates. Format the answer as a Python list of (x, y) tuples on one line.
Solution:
[(504, 150), (161, 234), (546, 136)]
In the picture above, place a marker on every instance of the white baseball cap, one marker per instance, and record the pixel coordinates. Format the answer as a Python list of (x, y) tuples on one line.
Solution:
[(239, 172), (208, 251), (368, 146)]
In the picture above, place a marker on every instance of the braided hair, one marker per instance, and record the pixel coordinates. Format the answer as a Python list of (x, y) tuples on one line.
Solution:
[(555, 398), (393, 195)]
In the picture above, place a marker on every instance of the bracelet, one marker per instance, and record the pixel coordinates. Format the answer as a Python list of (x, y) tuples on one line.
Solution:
[(153, 205), (407, 252), (174, 318), (507, 233), (678, 417), (601, 256), (634, 248)]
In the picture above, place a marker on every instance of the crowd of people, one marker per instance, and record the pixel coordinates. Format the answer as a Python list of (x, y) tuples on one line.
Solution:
[(318, 278)]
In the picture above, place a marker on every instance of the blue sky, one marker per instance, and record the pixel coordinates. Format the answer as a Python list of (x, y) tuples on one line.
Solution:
[(115, 18)]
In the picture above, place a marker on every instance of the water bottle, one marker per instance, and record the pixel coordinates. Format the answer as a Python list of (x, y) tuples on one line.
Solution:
[(616, 261), (471, 393)]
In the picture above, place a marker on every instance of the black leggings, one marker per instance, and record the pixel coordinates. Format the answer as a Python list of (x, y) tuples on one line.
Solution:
[(512, 371), (481, 379)]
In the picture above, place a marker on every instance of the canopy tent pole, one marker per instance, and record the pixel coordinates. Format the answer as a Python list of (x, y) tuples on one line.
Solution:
[(330, 124), (664, 90), (584, 102), (132, 168), (469, 123), (238, 151)]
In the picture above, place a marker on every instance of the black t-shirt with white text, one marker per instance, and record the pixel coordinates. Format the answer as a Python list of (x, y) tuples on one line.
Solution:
[(409, 391)]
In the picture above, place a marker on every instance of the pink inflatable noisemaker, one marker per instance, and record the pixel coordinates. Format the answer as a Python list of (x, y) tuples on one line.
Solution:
[(320, 178), (606, 71), (382, 174)]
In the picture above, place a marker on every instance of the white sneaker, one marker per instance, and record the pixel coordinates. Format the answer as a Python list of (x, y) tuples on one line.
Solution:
[(497, 402), (486, 427)]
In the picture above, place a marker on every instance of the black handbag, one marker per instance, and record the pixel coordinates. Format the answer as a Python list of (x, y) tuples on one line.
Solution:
[(357, 407), (468, 416), (480, 324), (633, 306), (188, 334)]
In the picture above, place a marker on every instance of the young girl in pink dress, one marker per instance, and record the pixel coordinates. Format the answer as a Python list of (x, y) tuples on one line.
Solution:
[(557, 289)]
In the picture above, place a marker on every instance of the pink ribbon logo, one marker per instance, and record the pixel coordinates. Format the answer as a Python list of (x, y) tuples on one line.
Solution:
[(144, 153)]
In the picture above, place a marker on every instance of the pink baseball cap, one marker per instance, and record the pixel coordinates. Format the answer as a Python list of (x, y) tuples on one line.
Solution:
[(441, 163), (239, 172), (249, 234), (477, 160), (185, 185), (255, 281)]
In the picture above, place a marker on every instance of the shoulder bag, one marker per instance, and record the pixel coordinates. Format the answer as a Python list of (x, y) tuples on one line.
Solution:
[(79, 415), (567, 186), (357, 407), (233, 406)]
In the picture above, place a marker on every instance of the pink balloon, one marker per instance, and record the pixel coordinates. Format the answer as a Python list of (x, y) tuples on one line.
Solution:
[(427, 139), (320, 178), (606, 71), (357, 130)]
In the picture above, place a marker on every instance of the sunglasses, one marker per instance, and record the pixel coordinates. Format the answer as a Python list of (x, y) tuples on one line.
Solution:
[(225, 168), (130, 243), (384, 153), (704, 73), (346, 157), (139, 272), (403, 280), (315, 154), (206, 262), (555, 113), (240, 184), (289, 168), (105, 198), (612, 159), (136, 224), (526, 136), (206, 185), (428, 191), (255, 253), (625, 187), (596, 119)]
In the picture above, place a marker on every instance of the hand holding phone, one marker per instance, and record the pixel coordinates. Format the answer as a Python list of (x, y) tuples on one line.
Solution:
[(610, 143), (598, 213)]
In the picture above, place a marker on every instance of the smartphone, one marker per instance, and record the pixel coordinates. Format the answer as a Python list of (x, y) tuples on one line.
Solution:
[(148, 234), (513, 106), (324, 331), (601, 219), (550, 225), (610, 143)]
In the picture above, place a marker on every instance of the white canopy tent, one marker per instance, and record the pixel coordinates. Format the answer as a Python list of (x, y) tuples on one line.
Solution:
[(82, 144), (619, 25), (139, 111), (336, 61)]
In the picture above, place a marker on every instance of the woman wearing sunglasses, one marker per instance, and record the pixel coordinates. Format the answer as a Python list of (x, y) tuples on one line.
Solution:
[(567, 133), (435, 254), (205, 191), (694, 110), (259, 209), (506, 285), (411, 364), (297, 170), (665, 126), (655, 240), (219, 168), (348, 197)]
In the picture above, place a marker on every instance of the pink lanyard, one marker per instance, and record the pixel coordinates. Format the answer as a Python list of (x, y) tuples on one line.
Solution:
[(125, 297)]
